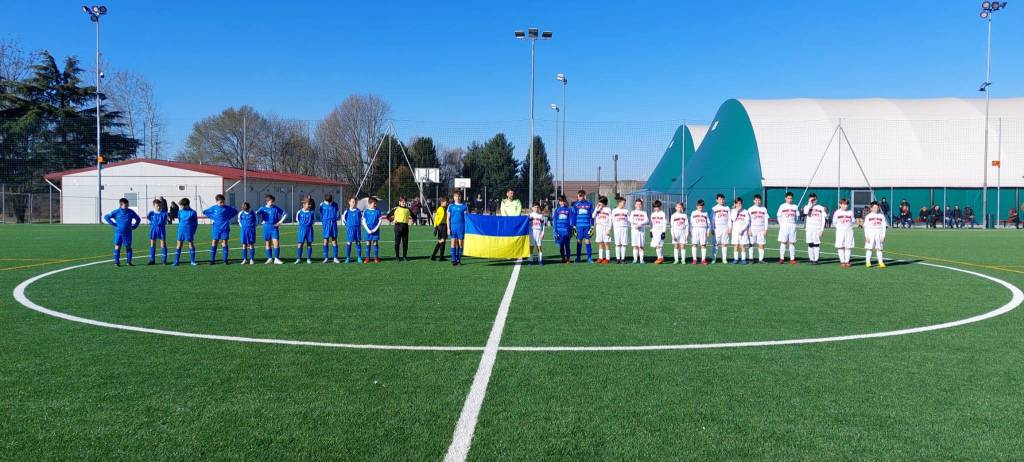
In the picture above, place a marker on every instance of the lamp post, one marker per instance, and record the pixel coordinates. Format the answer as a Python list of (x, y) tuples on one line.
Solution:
[(532, 34), (987, 9), (565, 82), (554, 107), (94, 13)]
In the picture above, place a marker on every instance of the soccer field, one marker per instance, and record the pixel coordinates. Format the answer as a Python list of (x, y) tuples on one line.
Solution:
[(420, 360)]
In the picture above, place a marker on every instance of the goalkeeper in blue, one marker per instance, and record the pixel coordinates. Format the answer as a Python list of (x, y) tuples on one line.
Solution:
[(353, 218), (304, 220), (188, 222), (583, 212), (329, 222), (124, 220), (157, 230), (563, 219), (220, 216)]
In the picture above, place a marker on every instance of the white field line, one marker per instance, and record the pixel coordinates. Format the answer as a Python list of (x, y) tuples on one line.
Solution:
[(462, 438)]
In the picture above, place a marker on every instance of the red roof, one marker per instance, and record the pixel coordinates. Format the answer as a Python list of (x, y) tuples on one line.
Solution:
[(228, 173)]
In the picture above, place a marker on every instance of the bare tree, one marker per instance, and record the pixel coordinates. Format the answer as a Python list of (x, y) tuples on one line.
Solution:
[(349, 135), (451, 164), (131, 94), (15, 64), (289, 147), (234, 138)]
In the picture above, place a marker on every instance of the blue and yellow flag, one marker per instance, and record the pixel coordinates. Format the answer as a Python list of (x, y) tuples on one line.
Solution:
[(489, 236)]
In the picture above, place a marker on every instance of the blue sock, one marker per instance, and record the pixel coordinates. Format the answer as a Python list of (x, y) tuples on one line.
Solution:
[(454, 257), (335, 250), (177, 256), (129, 254), (376, 250), (164, 251), (277, 252), (325, 251), (152, 253), (579, 250), (309, 251), (298, 252), (459, 252), (213, 254), (117, 256), (192, 254), (269, 253), (348, 250), (359, 248), (590, 253), (226, 253)]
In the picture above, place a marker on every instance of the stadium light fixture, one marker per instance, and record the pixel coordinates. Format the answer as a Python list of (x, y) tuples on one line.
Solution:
[(94, 15), (532, 34), (565, 82), (987, 8)]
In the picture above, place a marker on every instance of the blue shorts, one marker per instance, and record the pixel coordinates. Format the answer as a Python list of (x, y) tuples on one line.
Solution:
[(270, 233), (157, 233), (582, 232), (563, 235), (352, 234), (457, 233), (373, 236), (305, 234), (123, 238), (330, 230), (248, 236), (186, 235), (220, 235)]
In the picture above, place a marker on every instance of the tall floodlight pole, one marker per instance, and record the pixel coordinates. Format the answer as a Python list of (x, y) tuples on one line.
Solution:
[(94, 15), (565, 82), (554, 107), (987, 9), (532, 34)]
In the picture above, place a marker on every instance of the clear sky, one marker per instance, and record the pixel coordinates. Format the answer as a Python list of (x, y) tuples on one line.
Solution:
[(650, 64)]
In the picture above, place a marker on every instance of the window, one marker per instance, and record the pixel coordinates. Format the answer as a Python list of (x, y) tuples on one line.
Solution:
[(181, 187), (133, 199), (231, 199)]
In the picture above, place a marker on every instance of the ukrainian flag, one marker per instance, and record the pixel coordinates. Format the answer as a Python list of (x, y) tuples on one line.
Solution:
[(489, 236)]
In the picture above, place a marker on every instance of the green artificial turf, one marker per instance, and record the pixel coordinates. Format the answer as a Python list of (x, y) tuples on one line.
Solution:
[(74, 391)]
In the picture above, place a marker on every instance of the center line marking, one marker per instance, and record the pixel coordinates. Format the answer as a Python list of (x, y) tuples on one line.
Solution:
[(462, 438)]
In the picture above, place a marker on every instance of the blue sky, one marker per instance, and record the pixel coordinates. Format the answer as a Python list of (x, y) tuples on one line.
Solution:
[(456, 68)]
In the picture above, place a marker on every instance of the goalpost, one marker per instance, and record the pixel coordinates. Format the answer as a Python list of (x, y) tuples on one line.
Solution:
[(838, 137)]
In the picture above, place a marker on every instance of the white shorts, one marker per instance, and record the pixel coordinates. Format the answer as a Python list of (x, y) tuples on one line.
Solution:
[(699, 236), (636, 237), (722, 238), (813, 236), (844, 238), (757, 237), (740, 238), (536, 237), (602, 235), (657, 239), (787, 233), (621, 236), (873, 240), (679, 236)]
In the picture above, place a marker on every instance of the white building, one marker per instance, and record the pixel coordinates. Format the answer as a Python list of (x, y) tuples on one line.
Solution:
[(143, 180)]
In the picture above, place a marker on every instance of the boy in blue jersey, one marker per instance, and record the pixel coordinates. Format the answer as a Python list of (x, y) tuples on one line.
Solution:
[(353, 221), (271, 216), (247, 229), (371, 224), (457, 226), (157, 230), (220, 216), (329, 222), (304, 220), (124, 220), (562, 219), (188, 222), (584, 221)]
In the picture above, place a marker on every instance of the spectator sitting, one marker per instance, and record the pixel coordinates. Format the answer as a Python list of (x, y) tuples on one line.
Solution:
[(925, 217), (969, 215), (1014, 217), (906, 218), (947, 218), (958, 216)]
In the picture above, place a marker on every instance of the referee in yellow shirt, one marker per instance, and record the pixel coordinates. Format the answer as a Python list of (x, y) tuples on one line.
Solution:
[(440, 228), (400, 216)]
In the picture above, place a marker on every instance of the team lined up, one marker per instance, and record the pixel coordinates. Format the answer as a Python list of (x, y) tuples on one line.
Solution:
[(743, 228)]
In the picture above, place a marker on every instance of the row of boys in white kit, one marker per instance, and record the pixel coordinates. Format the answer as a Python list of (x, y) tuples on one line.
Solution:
[(742, 228)]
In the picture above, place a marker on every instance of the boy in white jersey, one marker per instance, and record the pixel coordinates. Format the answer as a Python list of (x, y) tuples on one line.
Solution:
[(721, 214), (638, 221), (874, 235), (699, 223), (603, 231), (680, 233), (620, 229), (814, 225), (739, 229), (842, 220), (758, 229), (659, 224), (787, 216), (538, 221)]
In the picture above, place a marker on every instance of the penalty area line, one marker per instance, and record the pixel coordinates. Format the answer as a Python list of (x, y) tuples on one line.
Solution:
[(462, 438)]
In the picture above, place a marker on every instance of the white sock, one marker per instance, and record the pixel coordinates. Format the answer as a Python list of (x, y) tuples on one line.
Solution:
[(725, 254), (675, 254), (658, 251), (792, 251), (703, 254), (693, 250), (867, 256), (760, 254), (641, 254), (782, 251), (682, 254), (743, 255), (540, 256), (879, 254)]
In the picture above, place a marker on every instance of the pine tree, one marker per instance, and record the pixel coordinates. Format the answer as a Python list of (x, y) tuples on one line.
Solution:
[(543, 180)]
